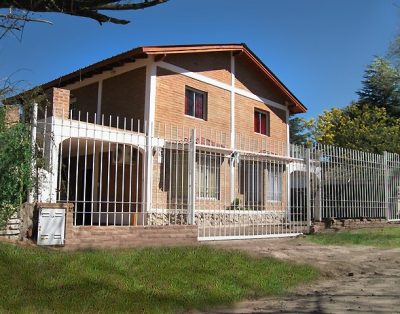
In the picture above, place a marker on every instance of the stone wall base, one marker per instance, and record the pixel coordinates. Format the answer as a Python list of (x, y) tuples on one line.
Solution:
[(331, 225), (11, 231)]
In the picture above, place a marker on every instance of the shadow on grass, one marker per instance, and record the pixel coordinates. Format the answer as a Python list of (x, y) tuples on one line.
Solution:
[(146, 280)]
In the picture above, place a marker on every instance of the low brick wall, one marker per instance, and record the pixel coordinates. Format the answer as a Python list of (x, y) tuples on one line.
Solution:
[(103, 237), (330, 225)]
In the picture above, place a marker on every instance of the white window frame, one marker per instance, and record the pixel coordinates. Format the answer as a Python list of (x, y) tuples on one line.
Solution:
[(206, 163), (275, 183), (205, 102)]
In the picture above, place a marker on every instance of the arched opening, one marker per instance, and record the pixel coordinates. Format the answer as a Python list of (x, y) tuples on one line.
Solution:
[(103, 180)]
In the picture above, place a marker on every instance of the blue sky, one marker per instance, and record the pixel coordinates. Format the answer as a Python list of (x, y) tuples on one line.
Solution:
[(318, 48)]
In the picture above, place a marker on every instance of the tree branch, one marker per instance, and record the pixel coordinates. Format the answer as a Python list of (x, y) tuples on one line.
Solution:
[(23, 18), (130, 6), (84, 8)]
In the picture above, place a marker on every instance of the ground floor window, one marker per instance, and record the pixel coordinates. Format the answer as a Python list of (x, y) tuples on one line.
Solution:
[(261, 182), (208, 175), (253, 180), (179, 176), (274, 190)]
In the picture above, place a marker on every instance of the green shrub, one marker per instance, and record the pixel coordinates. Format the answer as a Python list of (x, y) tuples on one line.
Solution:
[(15, 162)]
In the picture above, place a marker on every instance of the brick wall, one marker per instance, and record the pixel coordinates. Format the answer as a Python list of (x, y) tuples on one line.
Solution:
[(250, 77), (102, 237), (124, 96), (59, 99), (170, 97), (245, 125), (86, 100), (170, 103), (215, 65)]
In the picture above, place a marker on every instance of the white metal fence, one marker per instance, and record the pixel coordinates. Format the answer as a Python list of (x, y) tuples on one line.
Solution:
[(119, 172)]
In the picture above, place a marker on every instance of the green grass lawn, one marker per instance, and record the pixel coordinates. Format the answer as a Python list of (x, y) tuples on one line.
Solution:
[(138, 281), (388, 237)]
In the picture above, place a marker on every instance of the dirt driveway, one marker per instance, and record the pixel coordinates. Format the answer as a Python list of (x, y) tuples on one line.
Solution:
[(355, 279)]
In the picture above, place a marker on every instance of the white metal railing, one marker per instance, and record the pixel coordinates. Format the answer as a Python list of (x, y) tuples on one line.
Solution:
[(116, 174)]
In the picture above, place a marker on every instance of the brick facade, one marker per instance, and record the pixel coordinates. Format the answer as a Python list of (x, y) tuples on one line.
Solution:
[(85, 99), (214, 65), (60, 102), (170, 110)]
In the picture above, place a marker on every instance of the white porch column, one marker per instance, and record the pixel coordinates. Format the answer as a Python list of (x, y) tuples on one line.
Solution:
[(232, 128), (288, 178), (54, 141), (31, 193), (150, 105)]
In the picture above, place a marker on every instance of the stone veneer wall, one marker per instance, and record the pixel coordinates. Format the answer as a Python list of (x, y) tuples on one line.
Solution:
[(12, 229)]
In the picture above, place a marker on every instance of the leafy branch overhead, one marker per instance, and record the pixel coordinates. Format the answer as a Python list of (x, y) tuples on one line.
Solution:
[(19, 9)]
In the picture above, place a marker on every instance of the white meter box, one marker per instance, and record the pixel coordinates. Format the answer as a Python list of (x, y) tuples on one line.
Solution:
[(51, 226)]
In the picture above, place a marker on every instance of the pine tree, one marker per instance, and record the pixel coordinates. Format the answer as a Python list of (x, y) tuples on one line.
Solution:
[(381, 86)]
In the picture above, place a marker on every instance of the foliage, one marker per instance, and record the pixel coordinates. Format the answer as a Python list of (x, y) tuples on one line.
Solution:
[(163, 280), (381, 86), (367, 128), (20, 12), (372, 123), (300, 131), (380, 237), (15, 161), (393, 54)]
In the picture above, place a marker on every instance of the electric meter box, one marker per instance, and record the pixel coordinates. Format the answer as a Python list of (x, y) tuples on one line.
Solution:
[(51, 226)]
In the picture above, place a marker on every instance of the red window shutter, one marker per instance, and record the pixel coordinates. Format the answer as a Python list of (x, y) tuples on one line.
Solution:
[(256, 122), (189, 103), (186, 104), (199, 106), (263, 124)]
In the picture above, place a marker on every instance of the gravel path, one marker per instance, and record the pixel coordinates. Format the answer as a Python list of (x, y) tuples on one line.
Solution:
[(355, 278)]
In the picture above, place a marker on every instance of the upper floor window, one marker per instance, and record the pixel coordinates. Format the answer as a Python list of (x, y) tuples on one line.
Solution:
[(261, 122), (195, 103)]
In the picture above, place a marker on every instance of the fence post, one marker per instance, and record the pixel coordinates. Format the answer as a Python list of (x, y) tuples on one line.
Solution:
[(386, 184), (192, 178), (308, 185)]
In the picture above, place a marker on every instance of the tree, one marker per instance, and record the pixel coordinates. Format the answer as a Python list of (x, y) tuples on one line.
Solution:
[(300, 131), (381, 86), (367, 128), (393, 53), (20, 10)]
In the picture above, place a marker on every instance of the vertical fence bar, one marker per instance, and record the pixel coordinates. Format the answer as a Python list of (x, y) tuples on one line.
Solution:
[(386, 185), (308, 189)]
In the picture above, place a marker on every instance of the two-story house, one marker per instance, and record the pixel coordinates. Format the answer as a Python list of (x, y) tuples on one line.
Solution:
[(165, 135)]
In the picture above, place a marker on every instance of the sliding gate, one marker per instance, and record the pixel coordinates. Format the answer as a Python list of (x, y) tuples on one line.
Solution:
[(245, 195)]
